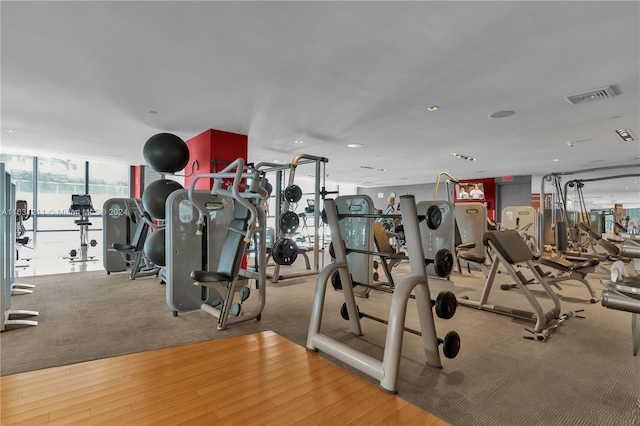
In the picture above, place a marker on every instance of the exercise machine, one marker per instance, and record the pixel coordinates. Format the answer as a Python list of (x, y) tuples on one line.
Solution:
[(11, 318), (510, 250), (125, 232), (284, 251), (207, 237), (471, 224), (82, 206), (386, 371)]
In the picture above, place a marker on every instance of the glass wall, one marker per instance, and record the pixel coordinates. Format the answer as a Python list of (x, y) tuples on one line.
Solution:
[(47, 185), (56, 181), (21, 169), (107, 181)]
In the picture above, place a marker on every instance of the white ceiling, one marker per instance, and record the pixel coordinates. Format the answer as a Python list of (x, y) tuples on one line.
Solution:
[(79, 80)]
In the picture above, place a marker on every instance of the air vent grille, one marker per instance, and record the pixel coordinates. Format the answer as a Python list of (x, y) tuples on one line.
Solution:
[(591, 95)]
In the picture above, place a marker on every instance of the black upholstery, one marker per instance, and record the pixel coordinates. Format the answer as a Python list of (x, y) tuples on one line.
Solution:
[(137, 243), (509, 244), (232, 250)]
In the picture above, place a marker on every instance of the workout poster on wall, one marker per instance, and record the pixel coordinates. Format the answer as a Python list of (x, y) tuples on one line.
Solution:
[(470, 191)]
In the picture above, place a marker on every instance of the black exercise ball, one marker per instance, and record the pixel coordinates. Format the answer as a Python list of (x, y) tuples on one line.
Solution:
[(166, 153), (155, 196), (154, 247)]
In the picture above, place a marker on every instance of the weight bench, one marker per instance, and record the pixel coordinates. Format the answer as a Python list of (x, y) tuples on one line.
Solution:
[(574, 268), (510, 249), (381, 241), (133, 254)]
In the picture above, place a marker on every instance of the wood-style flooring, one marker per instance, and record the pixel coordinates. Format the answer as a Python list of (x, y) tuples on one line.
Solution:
[(256, 379)]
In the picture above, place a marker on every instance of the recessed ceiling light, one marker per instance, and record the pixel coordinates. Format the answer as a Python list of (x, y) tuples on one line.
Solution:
[(355, 145), (464, 157), (625, 134), (556, 159), (502, 114), (10, 130), (298, 141), (433, 108), (277, 161)]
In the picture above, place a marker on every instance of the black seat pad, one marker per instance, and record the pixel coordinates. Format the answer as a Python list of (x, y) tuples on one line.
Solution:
[(119, 246), (210, 276), (509, 244), (471, 257)]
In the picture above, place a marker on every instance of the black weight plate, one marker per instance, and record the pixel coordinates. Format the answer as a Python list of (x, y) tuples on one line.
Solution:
[(343, 311), (443, 263), (336, 282), (345, 314), (451, 344), (323, 215), (293, 193), (289, 222), (446, 305), (434, 217), (284, 251), (269, 188), (332, 251)]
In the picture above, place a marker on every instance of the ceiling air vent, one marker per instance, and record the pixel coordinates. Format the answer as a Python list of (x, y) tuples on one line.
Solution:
[(591, 95)]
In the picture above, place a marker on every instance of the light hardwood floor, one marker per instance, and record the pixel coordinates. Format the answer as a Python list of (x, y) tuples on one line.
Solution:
[(254, 379)]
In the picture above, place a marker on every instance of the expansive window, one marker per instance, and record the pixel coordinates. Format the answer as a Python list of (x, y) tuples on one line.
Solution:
[(56, 181), (107, 181), (48, 188), (20, 167)]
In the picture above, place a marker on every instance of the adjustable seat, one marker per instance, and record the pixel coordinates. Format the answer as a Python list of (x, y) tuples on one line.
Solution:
[(228, 267), (133, 254)]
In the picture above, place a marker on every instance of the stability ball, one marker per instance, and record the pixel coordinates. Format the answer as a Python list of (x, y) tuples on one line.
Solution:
[(154, 247), (166, 153), (155, 196)]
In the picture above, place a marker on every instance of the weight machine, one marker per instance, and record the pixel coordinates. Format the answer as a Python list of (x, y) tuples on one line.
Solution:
[(386, 371), (11, 318), (226, 220), (125, 228)]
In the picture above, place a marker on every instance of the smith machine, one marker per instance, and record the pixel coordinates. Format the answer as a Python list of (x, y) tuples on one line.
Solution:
[(284, 249)]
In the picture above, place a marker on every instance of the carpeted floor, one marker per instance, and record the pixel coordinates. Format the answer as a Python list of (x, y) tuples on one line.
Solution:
[(583, 375)]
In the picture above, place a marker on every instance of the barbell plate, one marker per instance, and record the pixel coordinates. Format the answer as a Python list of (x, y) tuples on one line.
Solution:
[(284, 251), (289, 222), (443, 263), (446, 304), (451, 344), (293, 193), (434, 217), (344, 313), (336, 282)]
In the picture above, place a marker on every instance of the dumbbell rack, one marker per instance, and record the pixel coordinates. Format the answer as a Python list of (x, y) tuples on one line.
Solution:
[(386, 371)]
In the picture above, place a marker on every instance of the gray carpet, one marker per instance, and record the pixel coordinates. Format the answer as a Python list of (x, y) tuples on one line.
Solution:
[(583, 375)]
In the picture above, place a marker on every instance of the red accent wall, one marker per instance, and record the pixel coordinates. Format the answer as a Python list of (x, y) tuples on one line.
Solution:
[(224, 147), (489, 185), (137, 181)]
